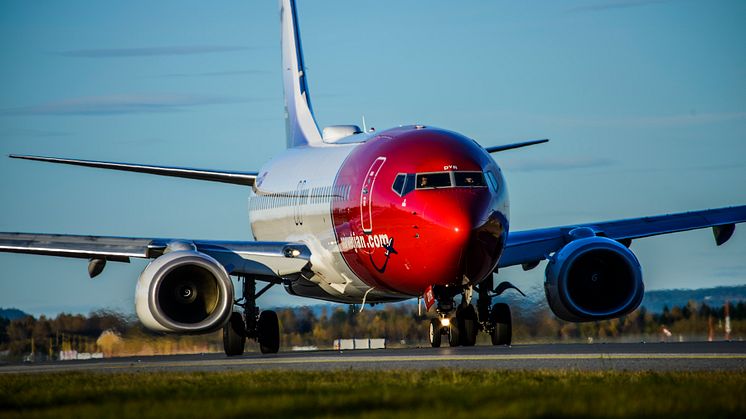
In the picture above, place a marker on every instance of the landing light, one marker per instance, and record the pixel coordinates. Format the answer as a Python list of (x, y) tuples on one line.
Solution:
[(291, 253), (455, 229), (445, 322)]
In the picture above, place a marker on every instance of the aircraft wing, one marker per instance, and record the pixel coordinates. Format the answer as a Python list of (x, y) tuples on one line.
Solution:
[(232, 177), (529, 247), (274, 259)]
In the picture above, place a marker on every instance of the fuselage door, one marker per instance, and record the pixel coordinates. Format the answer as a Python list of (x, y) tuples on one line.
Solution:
[(366, 195), (298, 200)]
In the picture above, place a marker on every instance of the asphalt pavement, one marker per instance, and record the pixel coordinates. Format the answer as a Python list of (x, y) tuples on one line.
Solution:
[(696, 356)]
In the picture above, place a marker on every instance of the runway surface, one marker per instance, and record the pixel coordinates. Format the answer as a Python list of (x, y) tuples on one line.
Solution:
[(618, 356)]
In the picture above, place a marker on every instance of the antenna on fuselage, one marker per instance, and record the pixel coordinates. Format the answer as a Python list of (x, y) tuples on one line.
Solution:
[(365, 129)]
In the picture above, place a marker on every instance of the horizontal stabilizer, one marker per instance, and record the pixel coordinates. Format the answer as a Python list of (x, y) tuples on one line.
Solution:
[(237, 178), (498, 148)]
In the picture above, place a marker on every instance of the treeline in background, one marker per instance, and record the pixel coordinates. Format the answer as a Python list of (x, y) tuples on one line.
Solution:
[(114, 334)]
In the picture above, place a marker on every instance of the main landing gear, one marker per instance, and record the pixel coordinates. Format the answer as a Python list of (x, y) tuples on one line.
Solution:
[(462, 328), (263, 327)]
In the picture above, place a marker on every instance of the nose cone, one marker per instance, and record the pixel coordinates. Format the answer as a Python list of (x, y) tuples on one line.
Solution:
[(465, 236)]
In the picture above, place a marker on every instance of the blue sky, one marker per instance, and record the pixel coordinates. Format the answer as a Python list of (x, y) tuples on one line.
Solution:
[(645, 103)]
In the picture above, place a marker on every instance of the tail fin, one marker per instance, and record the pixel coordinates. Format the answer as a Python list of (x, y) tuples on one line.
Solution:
[(300, 124)]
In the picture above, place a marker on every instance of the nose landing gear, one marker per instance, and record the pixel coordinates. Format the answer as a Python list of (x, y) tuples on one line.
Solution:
[(463, 327), (443, 324), (263, 327)]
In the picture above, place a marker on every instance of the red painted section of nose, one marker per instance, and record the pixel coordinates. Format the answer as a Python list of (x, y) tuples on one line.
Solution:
[(426, 237)]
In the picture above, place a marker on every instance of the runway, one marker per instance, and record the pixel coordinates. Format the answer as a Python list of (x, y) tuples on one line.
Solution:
[(592, 357)]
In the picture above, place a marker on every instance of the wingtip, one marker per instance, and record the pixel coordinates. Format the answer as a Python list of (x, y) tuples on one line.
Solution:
[(26, 157)]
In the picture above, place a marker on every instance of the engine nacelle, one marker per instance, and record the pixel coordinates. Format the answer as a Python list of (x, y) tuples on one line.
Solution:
[(184, 291), (593, 278)]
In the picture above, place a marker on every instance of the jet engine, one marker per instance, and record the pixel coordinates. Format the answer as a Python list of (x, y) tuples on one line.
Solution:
[(184, 291), (593, 278)]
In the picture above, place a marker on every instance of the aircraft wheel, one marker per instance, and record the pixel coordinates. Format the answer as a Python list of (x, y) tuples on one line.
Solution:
[(502, 327), (268, 332), (453, 333), (435, 335), (467, 325), (234, 335)]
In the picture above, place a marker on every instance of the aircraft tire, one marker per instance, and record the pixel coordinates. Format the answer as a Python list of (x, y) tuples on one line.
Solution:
[(268, 331), (435, 335), (502, 326), (467, 324), (453, 333), (234, 335)]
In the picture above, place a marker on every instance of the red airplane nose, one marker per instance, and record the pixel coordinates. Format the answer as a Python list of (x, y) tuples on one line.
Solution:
[(464, 236)]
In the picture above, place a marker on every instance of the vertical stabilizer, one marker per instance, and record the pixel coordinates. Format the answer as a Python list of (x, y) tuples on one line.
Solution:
[(300, 125)]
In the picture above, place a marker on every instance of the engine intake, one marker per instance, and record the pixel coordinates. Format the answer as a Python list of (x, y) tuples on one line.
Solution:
[(184, 291), (593, 278)]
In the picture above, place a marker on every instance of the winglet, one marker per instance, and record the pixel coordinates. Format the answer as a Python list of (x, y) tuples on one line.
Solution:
[(723, 233), (499, 148)]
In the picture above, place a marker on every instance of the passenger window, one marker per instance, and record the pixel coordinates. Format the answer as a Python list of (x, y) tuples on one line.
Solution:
[(433, 180), (470, 179)]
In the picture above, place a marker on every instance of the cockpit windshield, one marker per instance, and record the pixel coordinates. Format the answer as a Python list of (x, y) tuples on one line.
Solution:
[(433, 180), (471, 179), (405, 183)]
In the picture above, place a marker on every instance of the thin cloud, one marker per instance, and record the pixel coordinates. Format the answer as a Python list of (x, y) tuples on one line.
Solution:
[(215, 73), (651, 121), (121, 104), (557, 164), (620, 4), (733, 271), (692, 118), (151, 51), (30, 132), (709, 167)]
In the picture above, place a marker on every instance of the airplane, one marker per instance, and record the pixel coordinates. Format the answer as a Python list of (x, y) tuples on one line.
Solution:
[(362, 217)]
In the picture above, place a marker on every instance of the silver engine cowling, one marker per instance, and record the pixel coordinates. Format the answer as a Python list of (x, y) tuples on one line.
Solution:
[(184, 291), (593, 278)]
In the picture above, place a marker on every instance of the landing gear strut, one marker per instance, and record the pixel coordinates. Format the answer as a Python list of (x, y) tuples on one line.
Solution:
[(263, 327), (443, 325), (463, 327), (495, 320)]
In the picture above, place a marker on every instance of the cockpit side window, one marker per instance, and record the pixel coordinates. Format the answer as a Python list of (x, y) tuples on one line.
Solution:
[(399, 183), (470, 179), (408, 184), (433, 180), (404, 183), (492, 181)]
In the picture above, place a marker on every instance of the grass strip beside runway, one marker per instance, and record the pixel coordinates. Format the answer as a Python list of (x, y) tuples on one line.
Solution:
[(448, 393)]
